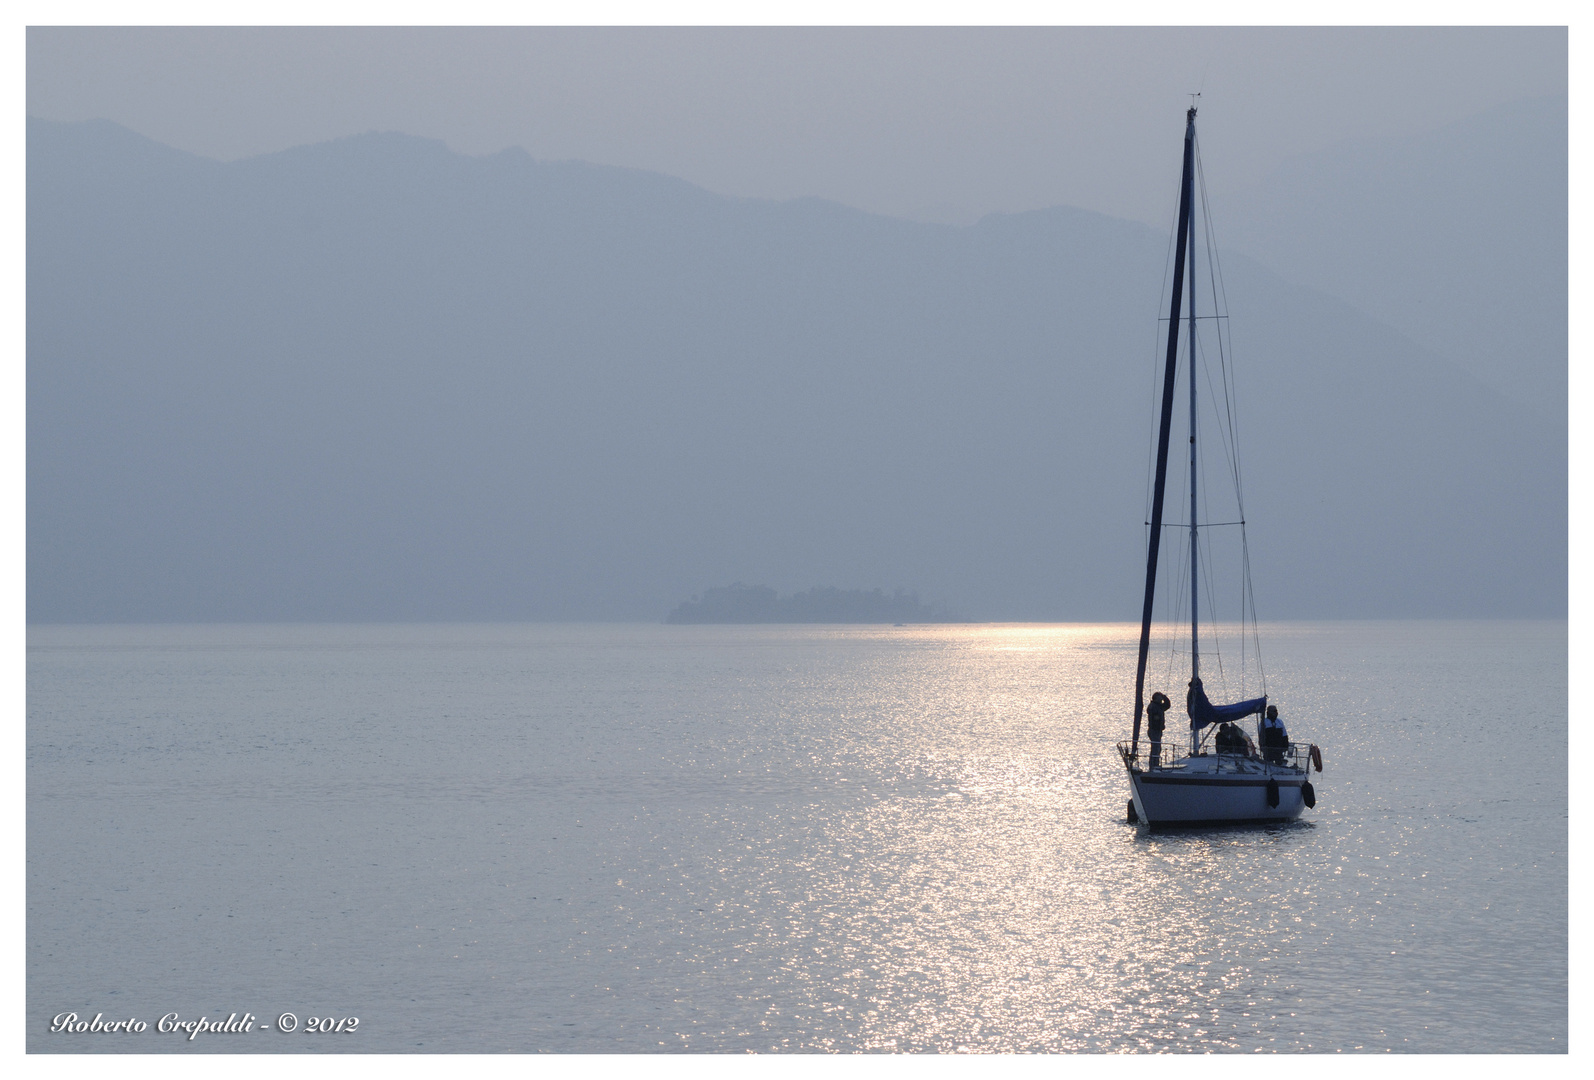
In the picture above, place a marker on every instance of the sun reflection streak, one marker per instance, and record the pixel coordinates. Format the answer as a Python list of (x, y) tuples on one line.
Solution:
[(976, 889), (844, 838)]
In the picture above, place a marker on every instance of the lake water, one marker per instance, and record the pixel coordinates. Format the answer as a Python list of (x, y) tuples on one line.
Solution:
[(662, 839)]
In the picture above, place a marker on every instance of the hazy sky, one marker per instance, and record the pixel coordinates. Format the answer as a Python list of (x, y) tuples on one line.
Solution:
[(942, 123)]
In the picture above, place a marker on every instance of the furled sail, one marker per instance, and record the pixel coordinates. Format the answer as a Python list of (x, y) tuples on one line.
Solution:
[(1154, 535), (1203, 712)]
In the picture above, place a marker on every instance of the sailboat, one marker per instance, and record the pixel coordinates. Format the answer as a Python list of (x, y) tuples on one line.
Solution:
[(1217, 776)]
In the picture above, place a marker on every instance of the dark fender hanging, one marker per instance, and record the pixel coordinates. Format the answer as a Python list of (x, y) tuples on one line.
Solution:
[(1308, 796), (1273, 793)]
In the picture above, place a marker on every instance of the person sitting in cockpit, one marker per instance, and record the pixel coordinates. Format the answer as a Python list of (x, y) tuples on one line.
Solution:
[(1229, 740)]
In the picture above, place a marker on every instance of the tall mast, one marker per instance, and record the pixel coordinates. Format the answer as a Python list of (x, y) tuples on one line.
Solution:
[(1195, 625), (1154, 541), (1195, 579)]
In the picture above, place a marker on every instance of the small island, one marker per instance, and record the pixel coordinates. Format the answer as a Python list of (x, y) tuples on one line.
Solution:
[(739, 603)]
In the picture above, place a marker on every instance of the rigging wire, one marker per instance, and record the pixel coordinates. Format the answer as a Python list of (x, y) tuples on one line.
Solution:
[(1221, 303), (1230, 428), (1204, 539), (1219, 292), (1176, 587)]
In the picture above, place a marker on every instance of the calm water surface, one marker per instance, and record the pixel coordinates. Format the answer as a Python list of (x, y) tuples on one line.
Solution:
[(661, 838)]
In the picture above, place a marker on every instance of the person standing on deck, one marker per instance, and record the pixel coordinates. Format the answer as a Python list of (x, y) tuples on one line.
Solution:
[(1155, 721), (1274, 739)]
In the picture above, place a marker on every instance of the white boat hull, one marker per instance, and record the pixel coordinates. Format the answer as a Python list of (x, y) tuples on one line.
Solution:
[(1205, 792)]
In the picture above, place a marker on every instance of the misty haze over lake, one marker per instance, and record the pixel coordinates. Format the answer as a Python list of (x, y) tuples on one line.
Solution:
[(388, 495), (376, 379)]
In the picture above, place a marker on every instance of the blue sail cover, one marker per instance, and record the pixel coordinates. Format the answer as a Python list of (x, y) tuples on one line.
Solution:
[(1203, 712)]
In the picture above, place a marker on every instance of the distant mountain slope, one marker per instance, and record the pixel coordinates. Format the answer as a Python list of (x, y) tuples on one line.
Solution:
[(1457, 238), (374, 379)]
